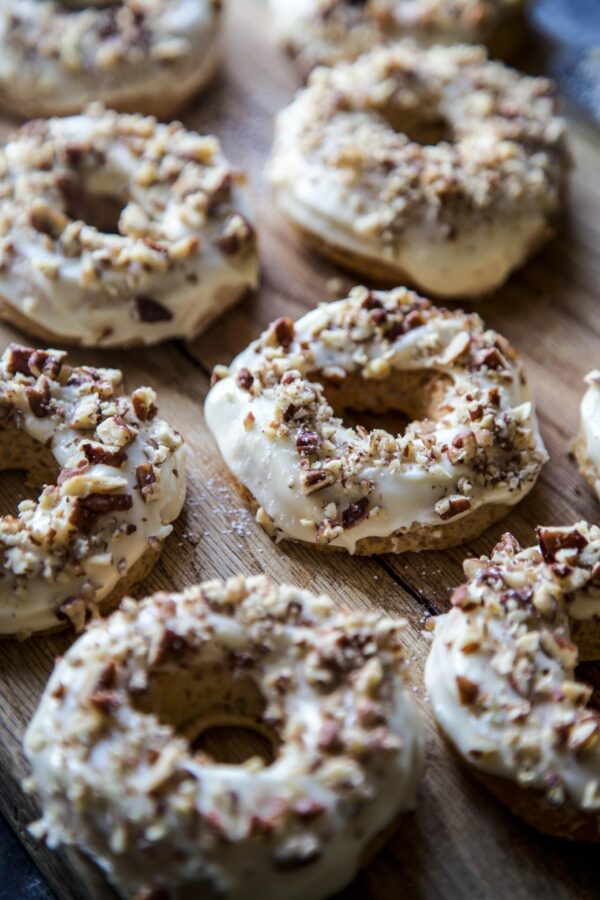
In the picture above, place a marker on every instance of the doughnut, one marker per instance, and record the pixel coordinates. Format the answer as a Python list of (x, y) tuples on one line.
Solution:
[(114, 479), (471, 451), (117, 231), (113, 755), (501, 677), (433, 167), (586, 447), (147, 56), (324, 32)]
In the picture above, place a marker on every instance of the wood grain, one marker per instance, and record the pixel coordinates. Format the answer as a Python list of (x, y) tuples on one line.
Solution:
[(459, 843)]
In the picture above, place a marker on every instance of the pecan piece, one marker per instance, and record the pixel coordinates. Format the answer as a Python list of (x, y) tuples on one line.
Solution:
[(468, 691), (146, 478), (283, 330), (552, 540), (143, 404), (245, 379), (18, 359), (307, 442), (103, 456), (315, 480), (39, 397), (355, 513), (452, 506), (105, 702), (149, 310), (86, 510)]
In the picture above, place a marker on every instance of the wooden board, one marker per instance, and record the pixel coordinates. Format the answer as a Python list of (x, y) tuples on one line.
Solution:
[(459, 843)]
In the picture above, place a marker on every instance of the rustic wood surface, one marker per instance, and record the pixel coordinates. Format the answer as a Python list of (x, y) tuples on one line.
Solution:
[(459, 842)]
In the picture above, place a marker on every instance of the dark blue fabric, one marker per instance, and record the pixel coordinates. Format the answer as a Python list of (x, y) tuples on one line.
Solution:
[(18, 876)]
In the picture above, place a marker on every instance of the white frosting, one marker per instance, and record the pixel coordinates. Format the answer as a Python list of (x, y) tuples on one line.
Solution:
[(36, 575), (590, 424), (87, 294), (528, 721), (473, 263), (406, 494), (178, 52), (179, 821)]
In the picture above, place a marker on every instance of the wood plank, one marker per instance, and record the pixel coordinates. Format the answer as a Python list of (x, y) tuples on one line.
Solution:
[(459, 842)]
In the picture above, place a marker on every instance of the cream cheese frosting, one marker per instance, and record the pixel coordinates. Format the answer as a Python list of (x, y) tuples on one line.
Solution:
[(135, 55), (327, 31), (183, 249), (110, 750), (435, 166), (589, 457), (319, 481), (119, 481), (501, 672)]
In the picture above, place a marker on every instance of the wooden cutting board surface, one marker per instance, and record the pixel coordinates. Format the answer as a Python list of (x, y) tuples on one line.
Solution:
[(459, 843)]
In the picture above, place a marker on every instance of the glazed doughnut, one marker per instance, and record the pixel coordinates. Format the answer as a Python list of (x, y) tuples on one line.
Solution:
[(114, 477), (116, 231), (111, 744), (587, 444), (472, 452), (502, 683), (147, 56), (435, 167), (328, 31)]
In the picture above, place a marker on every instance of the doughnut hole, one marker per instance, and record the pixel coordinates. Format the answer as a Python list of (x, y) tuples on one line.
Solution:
[(426, 126), (25, 466), (217, 709), (390, 404), (84, 202)]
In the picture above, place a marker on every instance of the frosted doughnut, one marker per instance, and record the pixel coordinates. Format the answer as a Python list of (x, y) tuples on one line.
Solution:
[(114, 477), (502, 682), (110, 744), (587, 445), (472, 452), (435, 167), (115, 231), (148, 56), (327, 31)]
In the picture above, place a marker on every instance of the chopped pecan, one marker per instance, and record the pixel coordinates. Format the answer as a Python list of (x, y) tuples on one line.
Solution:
[(146, 478), (355, 513), (284, 332), (307, 442), (18, 359), (39, 397), (313, 480), (245, 379), (468, 691), (105, 702), (143, 404), (305, 808), (49, 364), (490, 358), (452, 506), (73, 609), (236, 234), (96, 454), (507, 544), (86, 510), (552, 540), (106, 681), (149, 310), (329, 739), (171, 644)]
